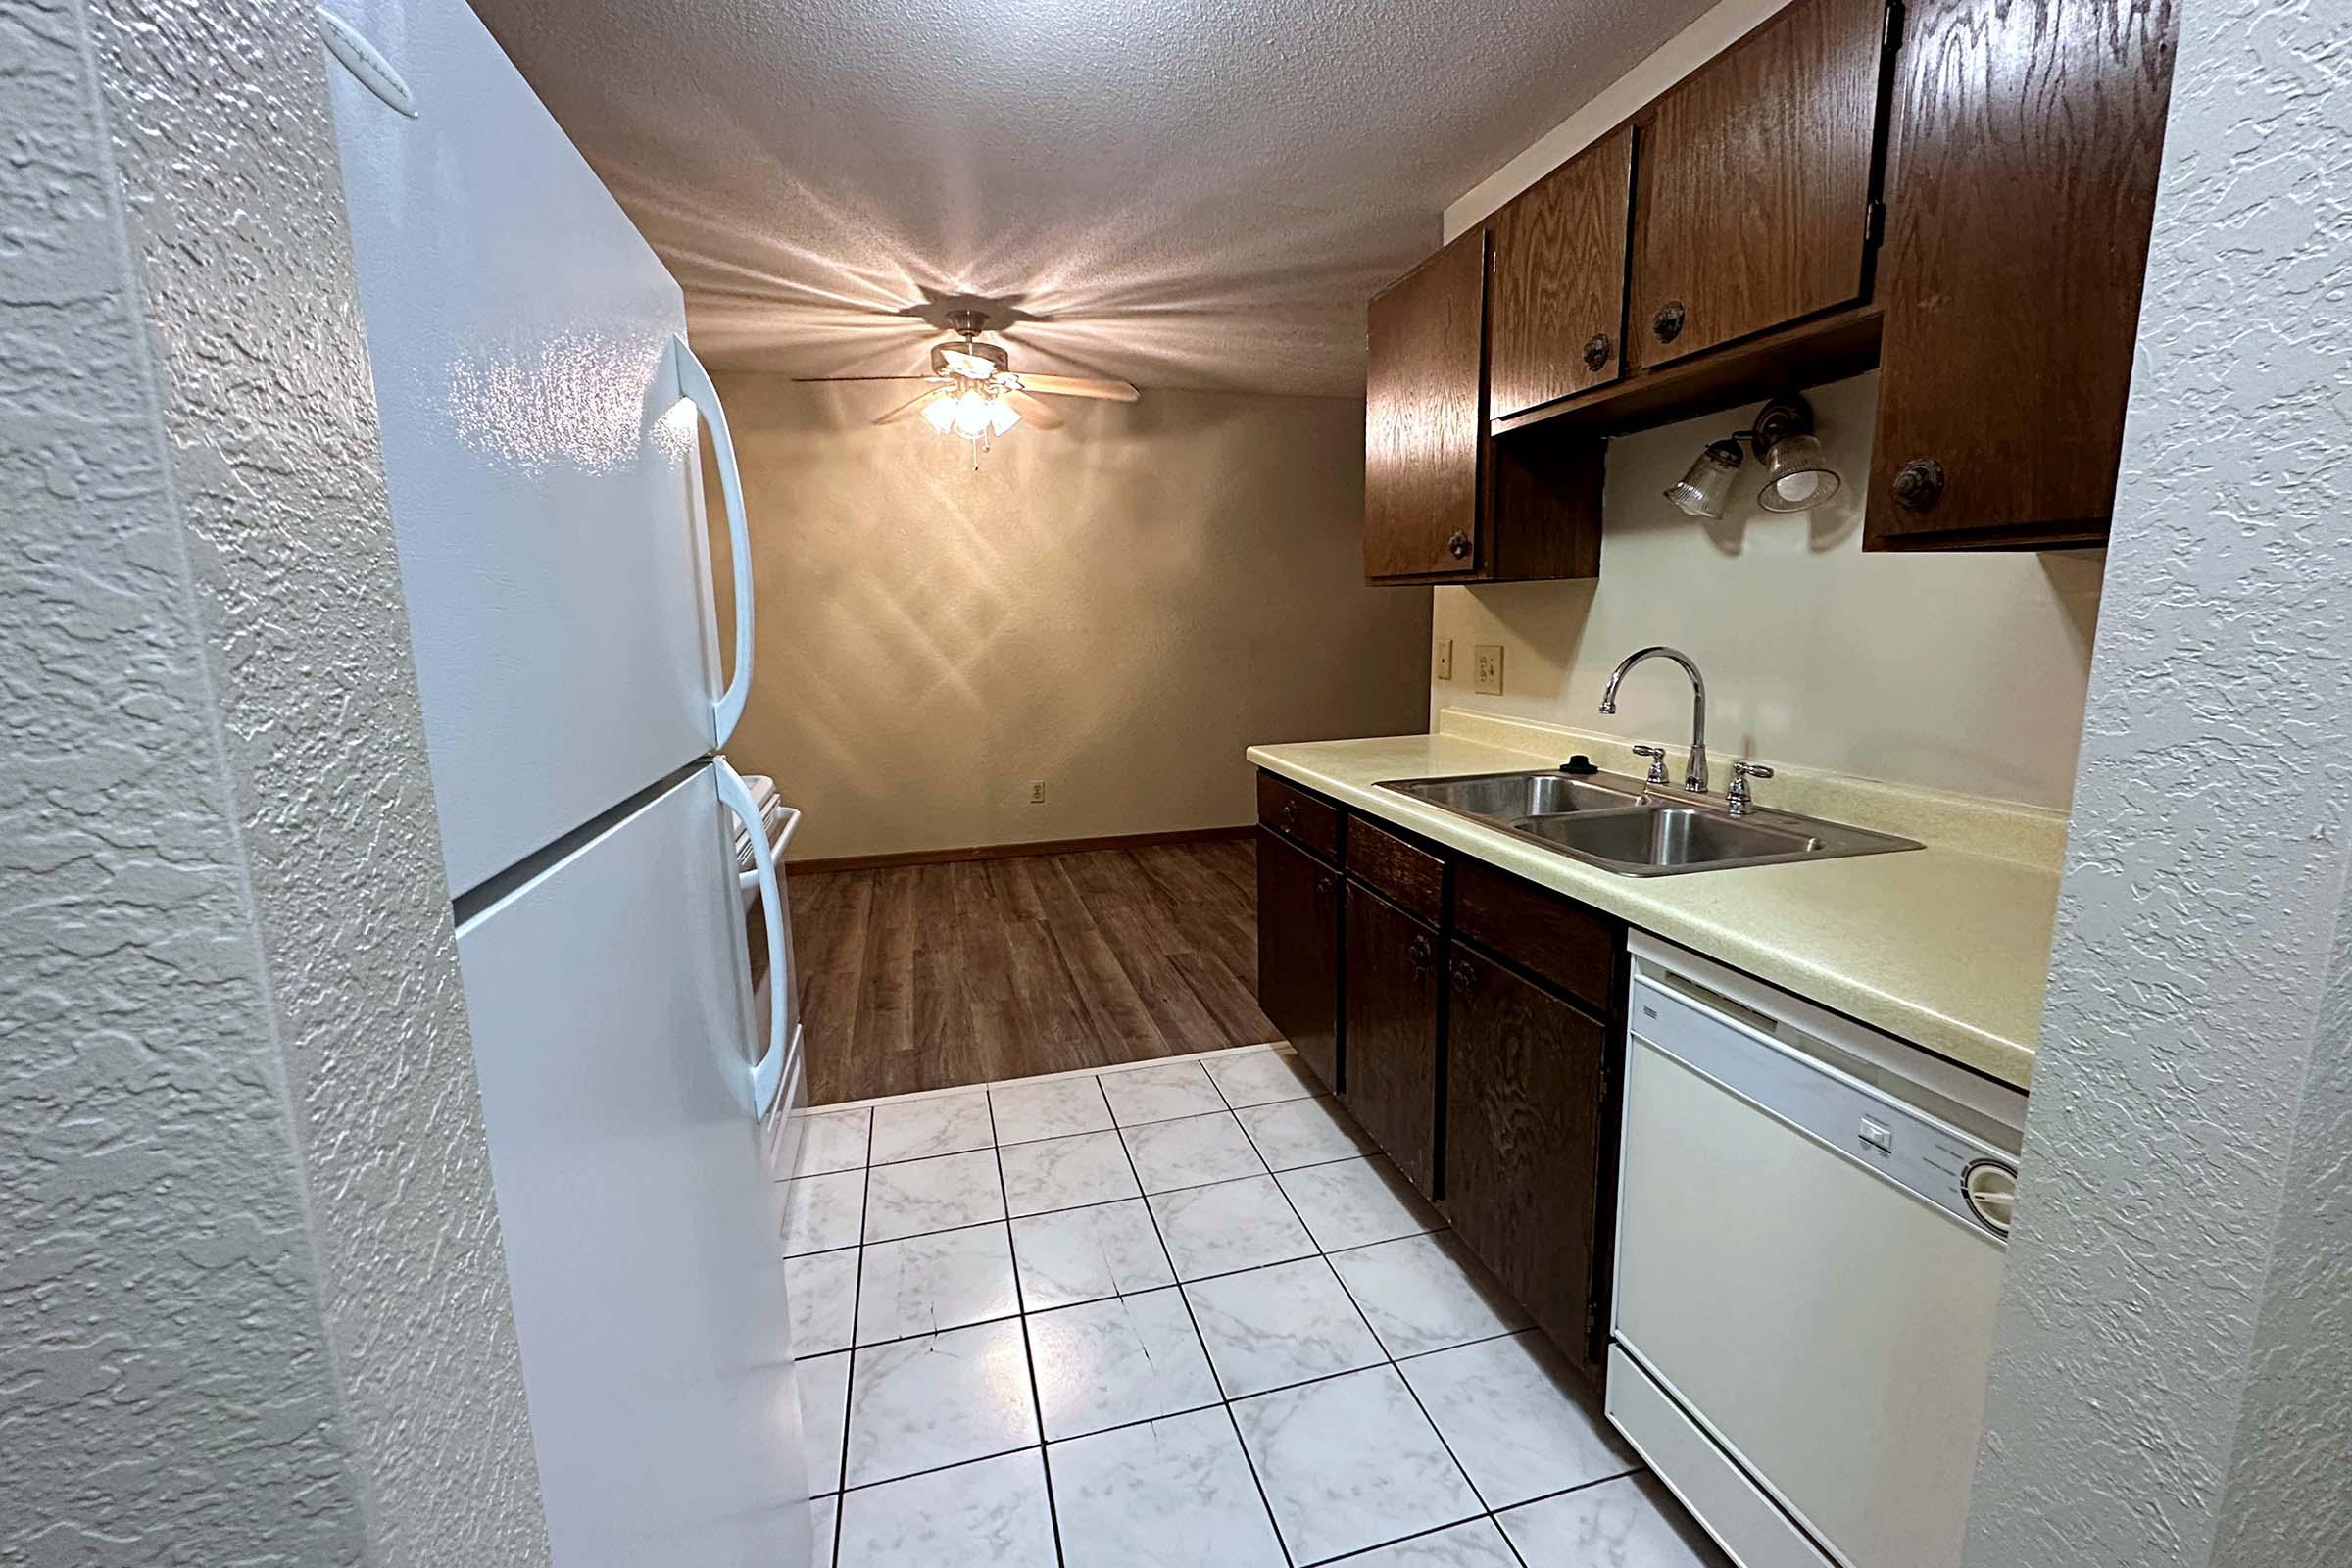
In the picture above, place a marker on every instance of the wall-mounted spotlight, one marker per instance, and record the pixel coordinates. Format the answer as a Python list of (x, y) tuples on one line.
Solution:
[(1796, 477)]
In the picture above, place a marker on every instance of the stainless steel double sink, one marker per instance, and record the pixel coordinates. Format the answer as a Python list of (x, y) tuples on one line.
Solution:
[(1635, 829)]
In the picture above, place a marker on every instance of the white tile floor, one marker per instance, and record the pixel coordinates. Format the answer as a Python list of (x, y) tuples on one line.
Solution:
[(1175, 1314)]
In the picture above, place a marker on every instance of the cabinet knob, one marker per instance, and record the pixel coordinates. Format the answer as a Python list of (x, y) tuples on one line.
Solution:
[(1422, 951), (1325, 887), (1668, 322), (1919, 484), (1597, 351), (1458, 545), (1290, 815), (1465, 975)]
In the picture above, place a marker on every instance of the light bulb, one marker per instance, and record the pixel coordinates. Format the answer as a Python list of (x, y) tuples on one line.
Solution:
[(971, 414)]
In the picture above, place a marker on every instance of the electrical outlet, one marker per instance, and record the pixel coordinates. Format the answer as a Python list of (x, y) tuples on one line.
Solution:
[(1441, 663), (1036, 792), (1486, 668)]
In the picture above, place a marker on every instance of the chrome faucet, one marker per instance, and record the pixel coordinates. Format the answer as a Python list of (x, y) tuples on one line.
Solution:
[(1694, 777)]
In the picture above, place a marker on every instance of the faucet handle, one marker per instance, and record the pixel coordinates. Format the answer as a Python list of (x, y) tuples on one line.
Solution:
[(1736, 797), (1658, 762)]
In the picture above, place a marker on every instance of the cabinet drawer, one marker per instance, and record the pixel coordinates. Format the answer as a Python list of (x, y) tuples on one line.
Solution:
[(1412, 877), (1558, 940), (1310, 820)]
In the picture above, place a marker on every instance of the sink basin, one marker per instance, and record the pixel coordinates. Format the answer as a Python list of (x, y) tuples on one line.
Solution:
[(1620, 824), (1651, 840), (1509, 796)]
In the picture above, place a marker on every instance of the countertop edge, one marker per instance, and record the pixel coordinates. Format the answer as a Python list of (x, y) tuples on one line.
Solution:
[(1979, 1049)]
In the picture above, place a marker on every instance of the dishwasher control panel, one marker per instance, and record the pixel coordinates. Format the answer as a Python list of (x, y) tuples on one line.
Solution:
[(1967, 1177)]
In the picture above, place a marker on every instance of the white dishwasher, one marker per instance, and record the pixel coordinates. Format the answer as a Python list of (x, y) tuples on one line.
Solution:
[(1811, 1232)]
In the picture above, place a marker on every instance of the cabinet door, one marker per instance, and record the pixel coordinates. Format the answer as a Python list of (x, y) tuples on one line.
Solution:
[(1526, 1074), (1299, 951), (2021, 188), (1392, 1032), (1558, 306), (1754, 193), (1424, 417)]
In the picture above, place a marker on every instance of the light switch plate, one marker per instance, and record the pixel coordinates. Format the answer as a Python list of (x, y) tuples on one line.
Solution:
[(1441, 663), (1486, 668)]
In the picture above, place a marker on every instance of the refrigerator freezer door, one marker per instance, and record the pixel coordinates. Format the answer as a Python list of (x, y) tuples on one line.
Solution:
[(608, 996), (539, 454)]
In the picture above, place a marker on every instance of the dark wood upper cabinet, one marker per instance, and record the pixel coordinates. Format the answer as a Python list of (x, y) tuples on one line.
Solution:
[(2021, 190), (1391, 1027), (1299, 951), (1525, 1081), (1425, 417), (1556, 323), (1442, 501), (1752, 200)]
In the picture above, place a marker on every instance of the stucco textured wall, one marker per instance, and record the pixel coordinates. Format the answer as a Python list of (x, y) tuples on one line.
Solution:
[(257, 1302), (2177, 1333)]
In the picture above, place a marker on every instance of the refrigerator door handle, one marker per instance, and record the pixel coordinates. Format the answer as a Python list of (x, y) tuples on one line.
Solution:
[(693, 385), (748, 880), (767, 1073)]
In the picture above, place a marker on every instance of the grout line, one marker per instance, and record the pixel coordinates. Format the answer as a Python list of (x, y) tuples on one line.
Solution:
[(1037, 1404), (1214, 1376)]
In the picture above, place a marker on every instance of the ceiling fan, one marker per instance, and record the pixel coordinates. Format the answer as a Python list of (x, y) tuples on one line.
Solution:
[(973, 392)]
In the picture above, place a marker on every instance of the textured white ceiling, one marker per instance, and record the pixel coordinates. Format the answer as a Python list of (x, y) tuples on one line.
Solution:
[(1200, 193)]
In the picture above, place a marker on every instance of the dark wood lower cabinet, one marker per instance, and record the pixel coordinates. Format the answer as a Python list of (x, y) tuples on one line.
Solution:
[(1299, 951), (1392, 1031), (1527, 1076)]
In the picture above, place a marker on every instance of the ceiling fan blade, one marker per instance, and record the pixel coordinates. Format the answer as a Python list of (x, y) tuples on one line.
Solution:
[(1073, 386), (909, 406), (1037, 413), (808, 379)]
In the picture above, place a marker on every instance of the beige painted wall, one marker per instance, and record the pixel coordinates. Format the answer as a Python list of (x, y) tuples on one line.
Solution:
[(1117, 608), (1964, 671)]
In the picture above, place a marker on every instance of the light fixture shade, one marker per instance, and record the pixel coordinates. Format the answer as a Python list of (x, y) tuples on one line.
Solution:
[(1002, 415), (940, 413), (1796, 477), (1703, 491)]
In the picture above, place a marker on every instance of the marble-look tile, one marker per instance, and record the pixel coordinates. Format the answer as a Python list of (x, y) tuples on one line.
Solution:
[(944, 1280), (822, 1291), (1476, 1545), (1261, 1077), (1050, 1108), (917, 1404), (1066, 1172), (1160, 1092), (831, 1140), (1516, 1419), (941, 1124), (1270, 1327), (1290, 1133), (1351, 1462), (942, 1194), (1354, 1202), (1426, 1292), (823, 1212), (1082, 1254), (992, 1514), (1191, 1151), (1110, 1362), (1628, 1523), (824, 1524), (1170, 1493), (1232, 1225), (824, 1385)]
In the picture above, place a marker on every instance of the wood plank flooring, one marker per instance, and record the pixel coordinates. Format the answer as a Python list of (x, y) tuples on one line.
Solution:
[(927, 976)]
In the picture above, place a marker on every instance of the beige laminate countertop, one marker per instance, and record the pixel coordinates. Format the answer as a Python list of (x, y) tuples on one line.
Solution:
[(1946, 949)]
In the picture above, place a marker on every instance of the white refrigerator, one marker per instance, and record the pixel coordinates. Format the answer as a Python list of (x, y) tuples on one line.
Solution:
[(539, 411)]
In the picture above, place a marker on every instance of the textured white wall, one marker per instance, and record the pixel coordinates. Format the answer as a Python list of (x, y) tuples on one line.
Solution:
[(2176, 1343), (1118, 607), (256, 1301)]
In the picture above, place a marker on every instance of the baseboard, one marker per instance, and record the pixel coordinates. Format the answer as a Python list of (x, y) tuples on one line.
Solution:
[(1014, 852)]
